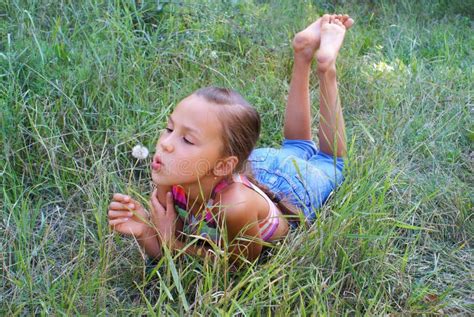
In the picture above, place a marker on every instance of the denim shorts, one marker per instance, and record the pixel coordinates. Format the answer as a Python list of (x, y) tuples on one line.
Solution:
[(299, 172)]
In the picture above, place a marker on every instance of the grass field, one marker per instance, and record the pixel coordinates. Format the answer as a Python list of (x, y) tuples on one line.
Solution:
[(82, 82)]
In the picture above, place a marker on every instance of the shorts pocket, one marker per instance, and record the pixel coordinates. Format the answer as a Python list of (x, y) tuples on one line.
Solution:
[(283, 185), (261, 154)]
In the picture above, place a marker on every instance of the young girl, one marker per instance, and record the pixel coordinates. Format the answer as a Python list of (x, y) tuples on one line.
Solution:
[(212, 184)]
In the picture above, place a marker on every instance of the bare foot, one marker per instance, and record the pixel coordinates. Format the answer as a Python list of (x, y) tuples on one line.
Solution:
[(346, 20), (307, 41), (332, 36)]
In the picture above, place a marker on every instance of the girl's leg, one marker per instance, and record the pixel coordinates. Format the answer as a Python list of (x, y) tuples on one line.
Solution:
[(332, 139), (298, 108)]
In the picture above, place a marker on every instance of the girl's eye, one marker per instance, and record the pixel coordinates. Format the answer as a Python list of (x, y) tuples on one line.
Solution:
[(168, 130), (185, 140)]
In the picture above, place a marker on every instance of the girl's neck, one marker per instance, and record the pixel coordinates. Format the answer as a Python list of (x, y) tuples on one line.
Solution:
[(200, 192)]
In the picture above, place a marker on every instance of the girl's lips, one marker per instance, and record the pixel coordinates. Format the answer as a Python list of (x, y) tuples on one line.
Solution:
[(156, 165)]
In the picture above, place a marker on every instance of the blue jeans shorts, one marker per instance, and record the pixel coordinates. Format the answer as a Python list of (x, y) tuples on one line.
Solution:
[(299, 172)]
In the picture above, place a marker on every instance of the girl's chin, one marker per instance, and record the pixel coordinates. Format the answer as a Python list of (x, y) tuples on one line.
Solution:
[(163, 181), (158, 180)]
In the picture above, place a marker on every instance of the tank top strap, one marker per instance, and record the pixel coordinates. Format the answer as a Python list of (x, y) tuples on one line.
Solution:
[(236, 178), (240, 178), (220, 187), (270, 224), (266, 227)]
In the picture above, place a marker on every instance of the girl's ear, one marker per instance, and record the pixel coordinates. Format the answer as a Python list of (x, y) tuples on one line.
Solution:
[(226, 166)]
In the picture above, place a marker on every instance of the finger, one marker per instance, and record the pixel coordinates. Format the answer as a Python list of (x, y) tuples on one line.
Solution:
[(155, 193), (122, 198), (120, 206), (169, 202), (119, 214), (118, 221)]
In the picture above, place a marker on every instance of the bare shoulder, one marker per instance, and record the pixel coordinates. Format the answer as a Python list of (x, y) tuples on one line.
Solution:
[(240, 202)]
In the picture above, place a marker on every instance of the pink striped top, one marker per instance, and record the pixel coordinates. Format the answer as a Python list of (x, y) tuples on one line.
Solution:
[(207, 226)]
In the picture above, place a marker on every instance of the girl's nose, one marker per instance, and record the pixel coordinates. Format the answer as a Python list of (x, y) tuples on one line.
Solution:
[(166, 144)]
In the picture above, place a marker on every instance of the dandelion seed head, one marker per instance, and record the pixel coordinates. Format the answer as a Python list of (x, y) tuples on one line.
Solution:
[(140, 152)]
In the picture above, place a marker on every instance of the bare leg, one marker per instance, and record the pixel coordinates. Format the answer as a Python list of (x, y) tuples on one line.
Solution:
[(332, 139), (298, 108)]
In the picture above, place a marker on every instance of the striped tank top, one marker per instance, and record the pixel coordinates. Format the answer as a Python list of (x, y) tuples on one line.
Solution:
[(206, 225)]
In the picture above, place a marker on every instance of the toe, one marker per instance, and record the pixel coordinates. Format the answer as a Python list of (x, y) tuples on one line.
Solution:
[(348, 23), (325, 19)]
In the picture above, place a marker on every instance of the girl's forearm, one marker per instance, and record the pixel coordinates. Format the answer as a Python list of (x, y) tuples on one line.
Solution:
[(200, 251), (150, 243)]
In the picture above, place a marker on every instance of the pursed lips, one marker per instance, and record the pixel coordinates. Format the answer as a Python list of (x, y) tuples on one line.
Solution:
[(157, 163)]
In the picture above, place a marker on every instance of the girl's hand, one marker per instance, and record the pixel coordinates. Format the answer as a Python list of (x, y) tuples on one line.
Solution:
[(164, 218), (128, 216)]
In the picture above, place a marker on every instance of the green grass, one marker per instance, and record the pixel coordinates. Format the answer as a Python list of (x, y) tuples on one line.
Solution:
[(82, 82)]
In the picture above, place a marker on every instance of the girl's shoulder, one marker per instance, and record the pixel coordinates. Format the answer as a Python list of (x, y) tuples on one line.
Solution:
[(237, 192), (237, 196)]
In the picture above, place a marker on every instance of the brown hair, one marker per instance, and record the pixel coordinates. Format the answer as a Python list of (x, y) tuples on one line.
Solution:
[(241, 130)]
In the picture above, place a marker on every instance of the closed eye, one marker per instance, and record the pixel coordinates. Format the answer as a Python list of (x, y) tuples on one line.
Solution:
[(168, 130), (187, 141)]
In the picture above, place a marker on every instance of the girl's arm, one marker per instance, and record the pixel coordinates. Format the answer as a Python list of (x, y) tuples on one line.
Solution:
[(243, 236), (128, 216), (199, 251), (160, 193), (238, 221), (150, 243)]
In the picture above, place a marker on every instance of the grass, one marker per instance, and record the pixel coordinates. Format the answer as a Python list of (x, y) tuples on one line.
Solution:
[(82, 82)]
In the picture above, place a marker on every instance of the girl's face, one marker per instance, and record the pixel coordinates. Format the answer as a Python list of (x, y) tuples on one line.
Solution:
[(190, 146)]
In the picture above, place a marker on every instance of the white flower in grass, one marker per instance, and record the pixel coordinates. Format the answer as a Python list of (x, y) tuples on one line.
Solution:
[(213, 55), (383, 67), (140, 152)]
